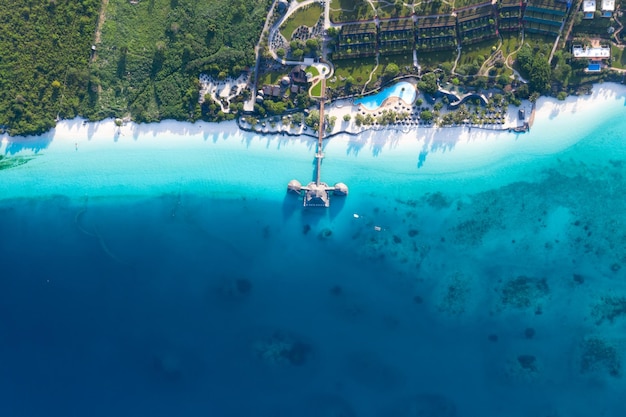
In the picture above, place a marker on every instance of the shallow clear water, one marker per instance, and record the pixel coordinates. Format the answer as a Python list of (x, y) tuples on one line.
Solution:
[(403, 90), (181, 280)]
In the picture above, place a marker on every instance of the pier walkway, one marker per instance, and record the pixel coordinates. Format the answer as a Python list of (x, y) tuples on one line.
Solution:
[(319, 154), (317, 193)]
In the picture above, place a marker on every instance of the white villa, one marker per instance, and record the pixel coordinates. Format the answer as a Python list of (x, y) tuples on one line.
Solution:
[(595, 55), (608, 7), (589, 8), (599, 52)]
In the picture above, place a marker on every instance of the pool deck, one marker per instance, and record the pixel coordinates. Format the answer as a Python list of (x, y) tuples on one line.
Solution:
[(391, 103), (394, 92)]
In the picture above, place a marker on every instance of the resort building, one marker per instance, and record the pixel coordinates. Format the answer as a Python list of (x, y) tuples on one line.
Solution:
[(356, 41), (600, 52), (476, 23), (544, 16), (396, 36), (435, 33), (509, 15), (272, 91), (298, 75), (608, 7), (595, 55), (589, 9)]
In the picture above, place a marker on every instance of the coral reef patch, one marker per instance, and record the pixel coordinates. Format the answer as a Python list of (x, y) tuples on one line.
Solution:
[(599, 355), (608, 309), (523, 292), (282, 348)]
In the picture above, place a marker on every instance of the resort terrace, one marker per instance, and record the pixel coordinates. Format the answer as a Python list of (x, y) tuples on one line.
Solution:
[(558, 8), (544, 16), (509, 15), (396, 36), (436, 33), (396, 28), (476, 23), (440, 21), (474, 12), (356, 40)]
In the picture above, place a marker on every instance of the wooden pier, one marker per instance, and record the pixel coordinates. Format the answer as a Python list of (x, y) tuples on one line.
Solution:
[(316, 193), (319, 154)]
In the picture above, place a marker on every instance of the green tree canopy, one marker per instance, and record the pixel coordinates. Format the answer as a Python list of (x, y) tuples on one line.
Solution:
[(428, 83), (536, 68), (391, 70), (426, 115)]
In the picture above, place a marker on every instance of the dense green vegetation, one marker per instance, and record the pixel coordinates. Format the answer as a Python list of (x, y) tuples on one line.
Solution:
[(153, 51), (44, 63), (149, 54), (146, 64), (534, 64), (428, 83)]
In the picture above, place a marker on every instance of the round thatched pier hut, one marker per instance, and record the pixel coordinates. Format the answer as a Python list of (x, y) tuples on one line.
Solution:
[(317, 195)]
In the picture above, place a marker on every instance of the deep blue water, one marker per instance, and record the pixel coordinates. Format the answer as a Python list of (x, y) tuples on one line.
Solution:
[(169, 305), (501, 296)]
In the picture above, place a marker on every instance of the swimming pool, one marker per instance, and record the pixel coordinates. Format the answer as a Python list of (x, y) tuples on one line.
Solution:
[(594, 67), (404, 90)]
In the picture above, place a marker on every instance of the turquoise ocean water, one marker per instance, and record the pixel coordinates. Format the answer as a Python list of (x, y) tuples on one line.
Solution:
[(466, 274)]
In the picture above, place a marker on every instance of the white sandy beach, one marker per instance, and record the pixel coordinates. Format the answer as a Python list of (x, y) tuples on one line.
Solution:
[(168, 151), (586, 111)]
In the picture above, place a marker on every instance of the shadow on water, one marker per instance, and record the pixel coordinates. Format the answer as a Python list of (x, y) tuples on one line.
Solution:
[(355, 144), (91, 129), (291, 203), (422, 158), (312, 216), (337, 203), (314, 163), (33, 144)]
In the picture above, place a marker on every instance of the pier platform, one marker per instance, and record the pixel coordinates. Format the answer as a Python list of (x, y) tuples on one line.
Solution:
[(317, 193)]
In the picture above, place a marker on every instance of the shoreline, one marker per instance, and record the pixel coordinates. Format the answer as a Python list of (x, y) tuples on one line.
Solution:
[(79, 129), (78, 158)]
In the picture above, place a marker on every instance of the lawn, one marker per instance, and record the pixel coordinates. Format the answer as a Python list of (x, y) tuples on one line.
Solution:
[(272, 77), (473, 52), (388, 9), (316, 90), (543, 41), (306, 16), (433, 60), (619, 57), (510, 42), (359, 69), (593, 27), (401, 60), (347, 11), (313, 71), (462, 3)]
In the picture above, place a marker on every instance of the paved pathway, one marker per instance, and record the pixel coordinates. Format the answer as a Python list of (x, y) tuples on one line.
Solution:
[(249, 105)]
